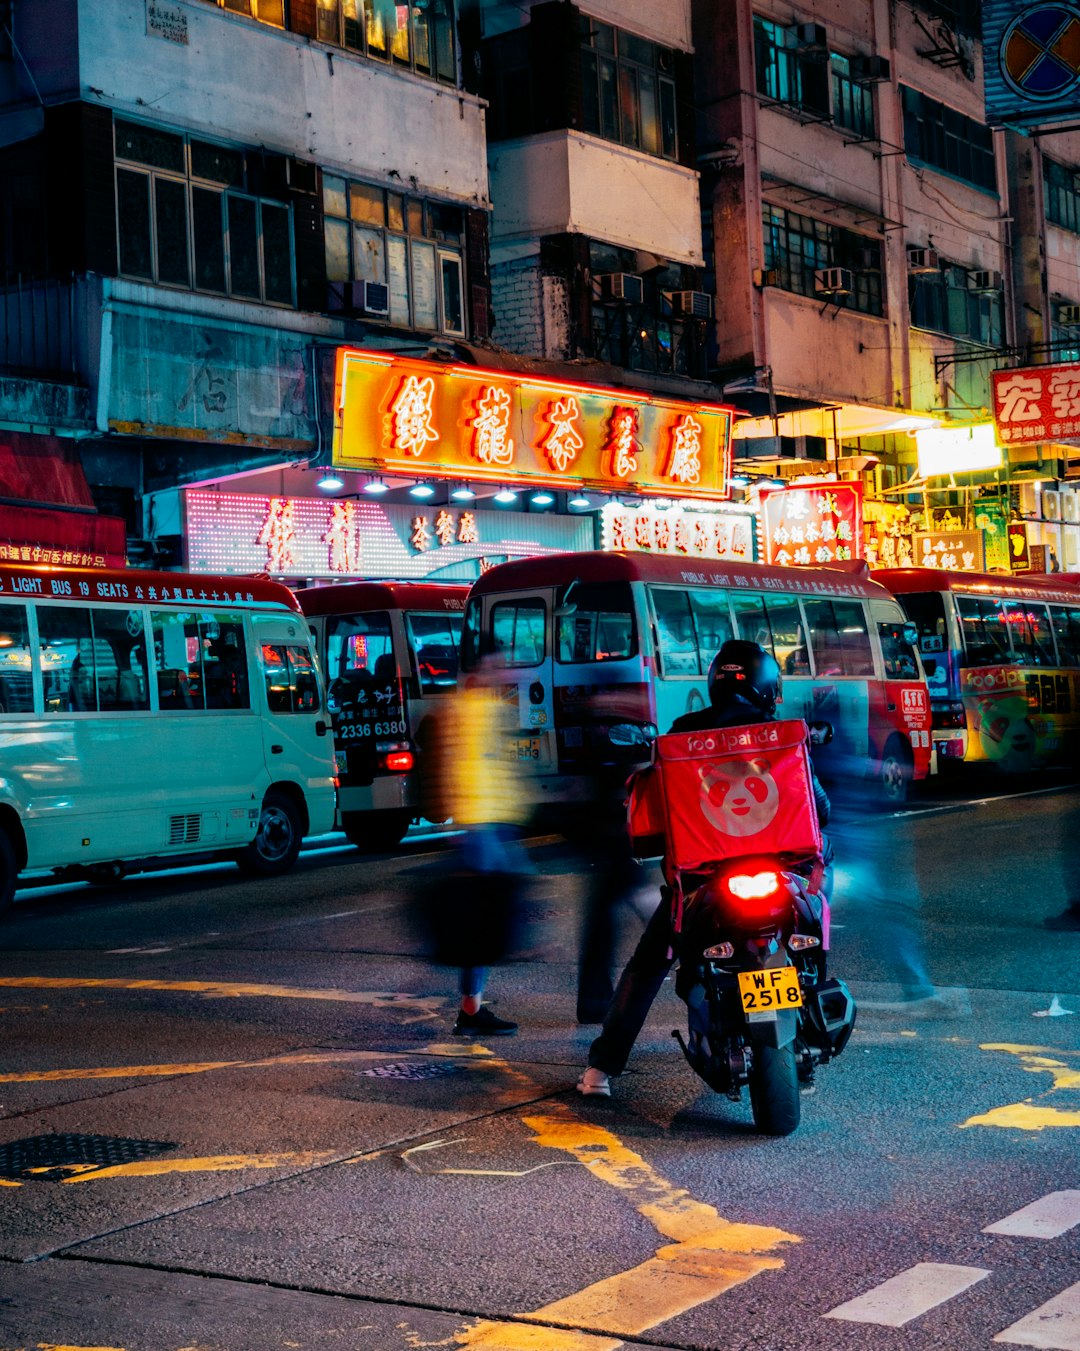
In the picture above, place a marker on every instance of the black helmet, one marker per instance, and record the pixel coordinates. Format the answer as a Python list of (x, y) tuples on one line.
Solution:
[(745, 668)]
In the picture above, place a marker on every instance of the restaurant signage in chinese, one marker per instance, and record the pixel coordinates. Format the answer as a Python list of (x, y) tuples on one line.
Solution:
[(682, 534), (953, 550), (1019, 557), (808, 526), (1038, 403), (418, 417), (309, 537)]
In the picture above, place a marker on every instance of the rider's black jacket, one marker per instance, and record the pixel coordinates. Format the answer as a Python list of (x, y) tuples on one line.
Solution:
[(738, 712)]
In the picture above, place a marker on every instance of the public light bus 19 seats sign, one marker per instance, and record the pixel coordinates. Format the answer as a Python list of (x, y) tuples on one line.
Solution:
[(395, 414)]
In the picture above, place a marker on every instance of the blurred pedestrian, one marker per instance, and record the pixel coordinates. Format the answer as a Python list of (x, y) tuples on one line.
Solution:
[(473, 777)]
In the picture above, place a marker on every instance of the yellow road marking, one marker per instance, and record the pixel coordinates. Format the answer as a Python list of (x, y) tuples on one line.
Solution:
[(55, 1346), (1034, 1114), (212, 1163), (426, 1006), (708, 1256)]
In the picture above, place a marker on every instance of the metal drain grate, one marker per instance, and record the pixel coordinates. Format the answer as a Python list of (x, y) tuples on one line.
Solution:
[(404, 1070), (51, 1158)]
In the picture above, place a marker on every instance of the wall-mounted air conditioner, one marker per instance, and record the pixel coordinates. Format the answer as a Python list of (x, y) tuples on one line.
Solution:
[(833, 281), (371, 298), (624, 286), (870, 69), (923, 260), (781, 448), (1051, 504), (766, 276), (985, 282), (1070, 505), (1065, 312), (691, 304)]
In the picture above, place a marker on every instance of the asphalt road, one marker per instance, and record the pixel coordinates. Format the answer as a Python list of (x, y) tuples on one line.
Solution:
[(269, 1138)]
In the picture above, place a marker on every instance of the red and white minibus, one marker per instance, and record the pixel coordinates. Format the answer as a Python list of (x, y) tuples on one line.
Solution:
[(599, 643), (145, 715), (1002, 660), (390, 654)]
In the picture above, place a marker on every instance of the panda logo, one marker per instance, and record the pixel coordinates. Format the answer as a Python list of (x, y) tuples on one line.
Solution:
[(740, 797)]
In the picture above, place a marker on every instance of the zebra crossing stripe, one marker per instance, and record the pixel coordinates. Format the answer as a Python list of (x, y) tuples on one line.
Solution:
[(1049, 1217), (1054, 1327), (910, 1294)]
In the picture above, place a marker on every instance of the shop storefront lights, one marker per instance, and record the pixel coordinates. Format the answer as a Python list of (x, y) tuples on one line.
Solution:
[(957, 450)]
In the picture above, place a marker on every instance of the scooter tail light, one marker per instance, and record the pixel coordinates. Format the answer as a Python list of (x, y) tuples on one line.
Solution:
[(753, 886)]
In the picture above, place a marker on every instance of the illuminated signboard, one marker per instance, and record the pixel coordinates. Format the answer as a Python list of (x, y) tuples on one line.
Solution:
[(957, 450), (808, 526), (1038, 403), (681, 534), (954, 550), (301, 537), (398, 414)]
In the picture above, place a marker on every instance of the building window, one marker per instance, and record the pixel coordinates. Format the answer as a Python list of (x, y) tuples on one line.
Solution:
[(945, 303), (185, 218), (629, 89), (1065, 341), (266, 11), (418, 36), (941, 138), (1062, 195), (852, 102), (796, 247), (648, 336), (787, 75), (412, 247)]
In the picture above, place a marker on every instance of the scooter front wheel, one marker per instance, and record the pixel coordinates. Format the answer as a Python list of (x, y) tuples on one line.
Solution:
[(774, 1089)]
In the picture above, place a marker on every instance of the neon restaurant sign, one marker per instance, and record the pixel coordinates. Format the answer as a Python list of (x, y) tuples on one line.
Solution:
[(399, 415)]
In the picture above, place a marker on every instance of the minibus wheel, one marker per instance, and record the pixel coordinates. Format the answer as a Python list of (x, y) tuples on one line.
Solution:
[(896, 771), (277, 841), (375, 832)]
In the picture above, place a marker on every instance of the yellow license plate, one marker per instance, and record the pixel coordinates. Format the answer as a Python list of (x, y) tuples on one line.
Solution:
[(769, 990)]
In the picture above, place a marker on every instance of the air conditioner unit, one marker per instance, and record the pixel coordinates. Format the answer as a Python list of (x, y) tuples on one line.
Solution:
[(691, 304), (1051, 504), (833, 281), (1027, 504), (1070, 505), (766, 276), (625, 286), (360, 297), (870, 69), (984, 281), (781, 448), (1067, 313), (302, 177), (809, 38), (923, 260)]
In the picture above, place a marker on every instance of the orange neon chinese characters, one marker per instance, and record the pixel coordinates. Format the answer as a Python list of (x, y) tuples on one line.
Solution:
[(278, 533), (410, 416), (621, 537), (564, 441), (492, 443), (343, 538), (420, 538), (444, 526), (684, 462), (467, 532), (622, 442)]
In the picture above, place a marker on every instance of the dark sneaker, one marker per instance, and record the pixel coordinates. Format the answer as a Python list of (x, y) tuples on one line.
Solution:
[(484, 1023)]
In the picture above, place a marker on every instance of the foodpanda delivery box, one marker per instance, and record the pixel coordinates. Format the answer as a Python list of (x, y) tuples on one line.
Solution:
[(726, 793)]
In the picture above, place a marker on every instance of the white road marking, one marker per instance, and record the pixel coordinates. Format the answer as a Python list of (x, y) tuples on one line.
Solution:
[(1055, 1326), (914, 1292), (1049, 1217), (980, 801)]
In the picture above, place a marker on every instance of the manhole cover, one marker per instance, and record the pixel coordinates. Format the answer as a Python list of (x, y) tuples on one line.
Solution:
[(51, 1158), (405, 1070)]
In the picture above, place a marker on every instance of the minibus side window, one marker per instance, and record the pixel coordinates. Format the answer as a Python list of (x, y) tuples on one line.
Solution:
[(676, 635), (470, 636), (201, 661), (435, 639), (1033, 643), (517, 632), (120, 659), (291, 683), (16, 682), (1066, 622), (789, 636), (751, 619), (926, 610), (712, 618), (986, 634), (855, 650), (598, 623)]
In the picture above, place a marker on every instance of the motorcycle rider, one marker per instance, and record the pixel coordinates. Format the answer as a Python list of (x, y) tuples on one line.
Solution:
[(744, 685)]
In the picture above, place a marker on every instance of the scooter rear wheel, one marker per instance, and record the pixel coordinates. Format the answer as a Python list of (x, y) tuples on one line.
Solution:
[(774, 1089)]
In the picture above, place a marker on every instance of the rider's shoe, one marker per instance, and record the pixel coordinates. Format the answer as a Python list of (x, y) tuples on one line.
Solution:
[(594, 1083)]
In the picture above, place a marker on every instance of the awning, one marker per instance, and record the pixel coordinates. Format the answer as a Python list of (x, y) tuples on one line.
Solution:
[(42, 469), (47, 514)]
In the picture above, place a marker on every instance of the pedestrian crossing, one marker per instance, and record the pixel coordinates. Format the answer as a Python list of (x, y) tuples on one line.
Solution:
[(915, 1292)]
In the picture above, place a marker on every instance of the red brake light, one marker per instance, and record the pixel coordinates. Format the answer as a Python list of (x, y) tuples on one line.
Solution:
[(398, 761), (753, 886)]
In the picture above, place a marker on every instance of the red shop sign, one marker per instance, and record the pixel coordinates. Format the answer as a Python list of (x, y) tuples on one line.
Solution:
[(807, 526), (1038, 403)]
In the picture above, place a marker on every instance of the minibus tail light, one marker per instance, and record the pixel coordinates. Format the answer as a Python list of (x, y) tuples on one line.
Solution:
[(398, 762)]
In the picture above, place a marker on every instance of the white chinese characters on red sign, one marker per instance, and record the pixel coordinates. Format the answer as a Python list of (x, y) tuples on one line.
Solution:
[(681, 534), (808, 526), (1039, 403)]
